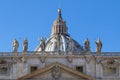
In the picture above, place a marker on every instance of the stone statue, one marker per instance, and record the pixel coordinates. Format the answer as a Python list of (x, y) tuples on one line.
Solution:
[(25, 45), (42, 44), (98, 45), (70, 44), (87, 45), (15, 45)]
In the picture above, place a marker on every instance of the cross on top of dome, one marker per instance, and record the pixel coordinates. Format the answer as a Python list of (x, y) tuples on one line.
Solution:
[(59, 15)]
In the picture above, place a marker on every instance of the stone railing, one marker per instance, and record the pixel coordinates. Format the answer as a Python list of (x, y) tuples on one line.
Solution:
[(31, 53), (107, 54)]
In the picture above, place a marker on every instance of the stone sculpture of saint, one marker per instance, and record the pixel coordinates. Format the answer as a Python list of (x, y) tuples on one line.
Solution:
[(15, 45), (25, 45), (70, 44), (98, 45), (42, 44), (87, 45)]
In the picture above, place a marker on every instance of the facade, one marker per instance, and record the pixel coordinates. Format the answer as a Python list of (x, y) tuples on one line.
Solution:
[(59, 58)]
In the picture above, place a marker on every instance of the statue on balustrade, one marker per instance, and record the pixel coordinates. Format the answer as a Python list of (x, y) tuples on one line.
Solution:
[(98, 45), (71, 45), (15, 45), (87, 45), (25, 45), (42, 44)]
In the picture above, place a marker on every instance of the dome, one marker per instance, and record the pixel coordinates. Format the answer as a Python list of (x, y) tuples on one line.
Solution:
[(62, 43), (59, 40)]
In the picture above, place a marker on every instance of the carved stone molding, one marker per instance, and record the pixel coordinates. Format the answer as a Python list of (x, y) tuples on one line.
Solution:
[(23, 59), (99, 60), (112, 62), (42, 59), (88, 58), (17, 59), (56, 72), (69, 59)]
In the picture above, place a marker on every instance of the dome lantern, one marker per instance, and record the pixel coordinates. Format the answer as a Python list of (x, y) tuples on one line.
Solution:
[(59, 25)]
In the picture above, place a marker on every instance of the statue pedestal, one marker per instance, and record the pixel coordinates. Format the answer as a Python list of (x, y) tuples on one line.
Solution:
[(24, 52), (15, 53), (98, 53), (87, 52)]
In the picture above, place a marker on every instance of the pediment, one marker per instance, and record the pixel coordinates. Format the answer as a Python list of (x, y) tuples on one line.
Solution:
[(110, 62), (56, 71)]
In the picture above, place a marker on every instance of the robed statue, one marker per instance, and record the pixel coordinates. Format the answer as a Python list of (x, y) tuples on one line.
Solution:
[(87, 45), (25, 45), (98, 45), (42, 44), (71, 44), (15, 45)]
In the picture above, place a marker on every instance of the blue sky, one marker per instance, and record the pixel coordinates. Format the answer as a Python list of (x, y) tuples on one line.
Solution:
[(85, 19)]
